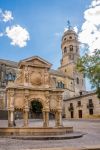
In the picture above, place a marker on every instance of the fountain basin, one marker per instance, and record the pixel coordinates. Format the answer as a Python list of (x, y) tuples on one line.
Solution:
[(35, 131)]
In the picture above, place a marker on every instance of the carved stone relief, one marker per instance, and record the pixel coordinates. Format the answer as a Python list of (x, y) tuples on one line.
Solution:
[(19, 77), (35, 78)]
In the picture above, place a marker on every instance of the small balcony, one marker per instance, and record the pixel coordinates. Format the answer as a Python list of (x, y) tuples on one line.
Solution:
[(90, 106), (71, 108)]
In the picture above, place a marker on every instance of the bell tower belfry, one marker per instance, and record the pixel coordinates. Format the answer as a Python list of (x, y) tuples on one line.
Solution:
[(70, 49), (70, 55)]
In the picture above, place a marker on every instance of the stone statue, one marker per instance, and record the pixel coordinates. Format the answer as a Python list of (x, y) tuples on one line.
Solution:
[(19, 77), (46, 78), (26, 75)]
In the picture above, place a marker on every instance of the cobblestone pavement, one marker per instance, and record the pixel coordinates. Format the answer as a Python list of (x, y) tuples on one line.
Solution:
[(91, 128)]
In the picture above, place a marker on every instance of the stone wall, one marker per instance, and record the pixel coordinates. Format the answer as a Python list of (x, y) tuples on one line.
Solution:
[(8, 71), (81, 103)]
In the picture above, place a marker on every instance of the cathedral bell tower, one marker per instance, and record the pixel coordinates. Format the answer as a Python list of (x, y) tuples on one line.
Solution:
[(70, 55), (70, 50)]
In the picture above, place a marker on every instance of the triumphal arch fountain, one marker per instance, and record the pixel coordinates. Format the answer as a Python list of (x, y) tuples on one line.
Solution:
[(33, 83)]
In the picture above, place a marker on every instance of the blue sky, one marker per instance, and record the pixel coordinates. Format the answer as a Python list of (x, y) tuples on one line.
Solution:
[(44, 21)]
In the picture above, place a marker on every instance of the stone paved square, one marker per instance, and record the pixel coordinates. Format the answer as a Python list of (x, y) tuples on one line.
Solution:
[(91, 128)]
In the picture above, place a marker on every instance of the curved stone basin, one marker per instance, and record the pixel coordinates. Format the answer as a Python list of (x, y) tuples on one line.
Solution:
[(35, 131)]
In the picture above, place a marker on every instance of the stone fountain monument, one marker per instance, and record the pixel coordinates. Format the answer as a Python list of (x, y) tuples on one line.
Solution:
[(33, 83)]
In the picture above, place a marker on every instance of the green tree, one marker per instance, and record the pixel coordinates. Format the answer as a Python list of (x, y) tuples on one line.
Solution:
[(90, 66)]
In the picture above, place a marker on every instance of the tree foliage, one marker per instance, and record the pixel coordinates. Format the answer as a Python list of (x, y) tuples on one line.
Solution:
[(90, 66)]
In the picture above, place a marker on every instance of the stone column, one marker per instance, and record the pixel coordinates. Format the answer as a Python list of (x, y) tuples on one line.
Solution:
[(43, 112), (26, 108), (25, 116), (45, 118), (11, 108), (8, 118), (59, 118), (56, 119), (59, 111), (11, 118)]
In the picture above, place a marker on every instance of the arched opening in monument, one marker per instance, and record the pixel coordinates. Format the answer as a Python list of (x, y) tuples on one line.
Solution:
[(36, 109), (18, 117)]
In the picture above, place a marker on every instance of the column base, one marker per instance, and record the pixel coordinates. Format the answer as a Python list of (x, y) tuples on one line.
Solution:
[(45, 125), (11, 124), (59, 126), (25, 126)]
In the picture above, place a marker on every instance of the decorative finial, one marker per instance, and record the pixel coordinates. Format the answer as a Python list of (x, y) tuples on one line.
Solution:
[(68, 25)]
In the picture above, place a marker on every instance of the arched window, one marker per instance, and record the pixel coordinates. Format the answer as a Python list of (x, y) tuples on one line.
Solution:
[(65, 49), (71, 47), (60, 85), (63, 85), (70, 37), (57, 84), (64, 39), (77, 80), (14, 76), (6, 77), (10, 76)]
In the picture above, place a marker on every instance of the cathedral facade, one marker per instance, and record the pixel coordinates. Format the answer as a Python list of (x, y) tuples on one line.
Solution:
[(66, 78)]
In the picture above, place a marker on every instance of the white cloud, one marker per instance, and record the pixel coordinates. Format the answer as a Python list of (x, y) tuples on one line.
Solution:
[(90, 33), (7, 16), (18, 35), (75, 29), (95, 3)]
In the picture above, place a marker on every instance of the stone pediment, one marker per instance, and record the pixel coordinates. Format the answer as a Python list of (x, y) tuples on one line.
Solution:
[(35, 61)]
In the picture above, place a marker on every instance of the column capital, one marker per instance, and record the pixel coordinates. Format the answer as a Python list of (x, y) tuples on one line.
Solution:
[(46, 110), (11, 92), (26, 109), (59, 110), (11, 109)]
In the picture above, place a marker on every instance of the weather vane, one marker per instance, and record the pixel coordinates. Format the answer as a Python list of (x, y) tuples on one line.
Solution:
[(68, 25)]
